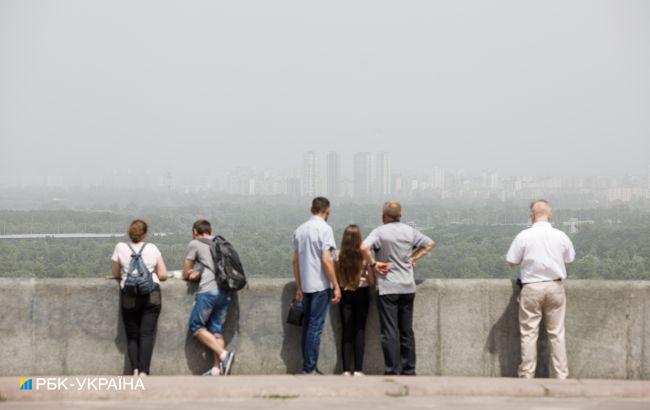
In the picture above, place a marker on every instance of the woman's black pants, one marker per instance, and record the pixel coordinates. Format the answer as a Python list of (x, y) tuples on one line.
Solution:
[(354, 312), (140, 315)]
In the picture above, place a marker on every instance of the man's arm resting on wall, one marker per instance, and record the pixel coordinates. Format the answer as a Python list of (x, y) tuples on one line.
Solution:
[(188, 272)]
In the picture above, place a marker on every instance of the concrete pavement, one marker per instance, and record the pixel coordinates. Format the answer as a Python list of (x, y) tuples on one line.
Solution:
[(401, 403), (317, 388)]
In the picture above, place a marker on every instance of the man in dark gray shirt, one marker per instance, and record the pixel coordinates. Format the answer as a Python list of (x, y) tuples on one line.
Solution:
[(398, 247)]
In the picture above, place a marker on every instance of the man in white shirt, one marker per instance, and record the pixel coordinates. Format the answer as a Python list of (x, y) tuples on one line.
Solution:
[(316, 284), (541, 252)]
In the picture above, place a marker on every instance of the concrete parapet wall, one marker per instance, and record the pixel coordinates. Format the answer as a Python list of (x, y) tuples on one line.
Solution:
[(462, 327)]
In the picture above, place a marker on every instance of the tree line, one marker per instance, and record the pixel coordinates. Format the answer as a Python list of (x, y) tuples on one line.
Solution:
[(471, 242)]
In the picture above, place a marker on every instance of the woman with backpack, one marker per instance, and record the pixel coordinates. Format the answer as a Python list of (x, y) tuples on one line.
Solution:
[(141, 268), (354, 276)]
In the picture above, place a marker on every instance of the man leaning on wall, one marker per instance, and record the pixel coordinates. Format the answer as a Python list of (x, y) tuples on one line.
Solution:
[(541, 252)]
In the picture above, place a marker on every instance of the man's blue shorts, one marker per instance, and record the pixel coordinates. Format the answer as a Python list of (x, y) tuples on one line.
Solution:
[(210, 310)]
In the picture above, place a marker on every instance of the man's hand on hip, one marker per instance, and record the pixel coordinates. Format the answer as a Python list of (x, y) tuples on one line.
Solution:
[(382, 267), (414, 262)]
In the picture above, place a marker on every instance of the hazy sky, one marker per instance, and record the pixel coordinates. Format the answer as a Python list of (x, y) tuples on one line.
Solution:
[(545, 87)]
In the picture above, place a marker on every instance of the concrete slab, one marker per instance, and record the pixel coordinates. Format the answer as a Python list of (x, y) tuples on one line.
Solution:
[(16, 327), (598, 326), (286, 387), (463, 310), (419, 403), (462, 328)]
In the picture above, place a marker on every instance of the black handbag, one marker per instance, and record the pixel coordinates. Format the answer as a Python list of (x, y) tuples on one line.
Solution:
[(296, 313)]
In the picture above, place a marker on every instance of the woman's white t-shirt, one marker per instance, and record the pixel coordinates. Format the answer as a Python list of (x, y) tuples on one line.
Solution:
[(122, 255)]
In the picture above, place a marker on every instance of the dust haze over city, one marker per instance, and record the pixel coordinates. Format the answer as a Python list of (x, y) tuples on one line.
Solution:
[(243, 111)]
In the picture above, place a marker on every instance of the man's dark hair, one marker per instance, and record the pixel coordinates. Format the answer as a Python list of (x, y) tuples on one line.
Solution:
[(319, 205), (202, 227)]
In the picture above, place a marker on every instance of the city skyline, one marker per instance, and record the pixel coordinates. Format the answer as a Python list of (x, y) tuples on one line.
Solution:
[(369, 175), (288, 167)]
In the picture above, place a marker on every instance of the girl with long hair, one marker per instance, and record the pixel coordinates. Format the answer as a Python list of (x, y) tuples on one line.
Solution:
[(354, 277)]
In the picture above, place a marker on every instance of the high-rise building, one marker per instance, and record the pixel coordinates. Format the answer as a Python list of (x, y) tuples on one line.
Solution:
[(382, 174), (397, 184), (309, 174), (333, 174), (362, 175), (438, 180), (168, 181), (490, 179), (292, 186)]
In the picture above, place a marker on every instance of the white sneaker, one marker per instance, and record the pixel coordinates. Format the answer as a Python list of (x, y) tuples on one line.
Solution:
[(359, 374), (215, 371), (346, 374), (226, 363)]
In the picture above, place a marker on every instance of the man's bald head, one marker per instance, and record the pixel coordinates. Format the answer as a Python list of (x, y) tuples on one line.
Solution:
[(540, 210), (392, 211)]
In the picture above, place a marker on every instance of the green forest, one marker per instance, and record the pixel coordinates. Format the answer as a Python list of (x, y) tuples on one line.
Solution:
[(471, 242)]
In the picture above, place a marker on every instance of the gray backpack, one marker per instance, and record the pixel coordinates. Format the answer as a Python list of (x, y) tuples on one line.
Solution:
[(139, 280)]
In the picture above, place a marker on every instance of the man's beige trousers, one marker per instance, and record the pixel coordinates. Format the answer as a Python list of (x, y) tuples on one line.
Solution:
[(547, 300)]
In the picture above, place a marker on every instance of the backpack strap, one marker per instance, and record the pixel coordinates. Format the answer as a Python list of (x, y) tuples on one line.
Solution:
[(139, 253)]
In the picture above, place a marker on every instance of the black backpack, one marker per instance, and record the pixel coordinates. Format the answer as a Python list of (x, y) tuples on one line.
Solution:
[(229, 272)]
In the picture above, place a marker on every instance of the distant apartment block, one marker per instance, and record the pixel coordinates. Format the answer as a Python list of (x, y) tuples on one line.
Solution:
[(438, 178), (333, 172), (309, 174), (362, 174), (382, 174)]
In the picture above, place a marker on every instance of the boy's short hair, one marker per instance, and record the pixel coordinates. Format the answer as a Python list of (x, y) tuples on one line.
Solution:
[(202, 227), (320, 204)]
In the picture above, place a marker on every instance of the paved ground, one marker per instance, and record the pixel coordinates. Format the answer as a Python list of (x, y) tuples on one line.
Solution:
[(461, 403), (325, 392)]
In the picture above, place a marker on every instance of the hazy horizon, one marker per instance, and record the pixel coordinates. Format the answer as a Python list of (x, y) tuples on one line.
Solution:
[(552, 88)]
